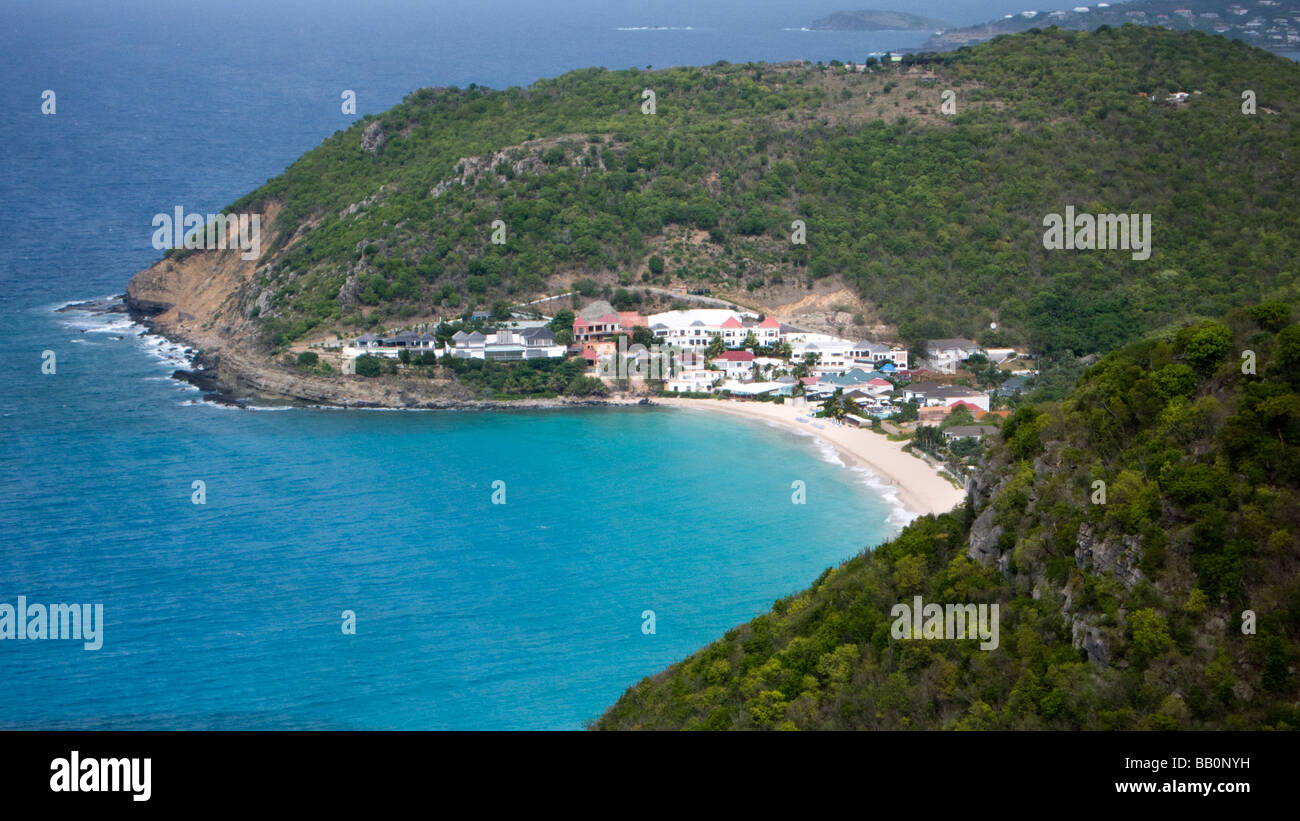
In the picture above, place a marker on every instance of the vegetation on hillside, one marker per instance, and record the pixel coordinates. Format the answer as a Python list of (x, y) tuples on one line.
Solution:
[(1125, 533), (937, 220)]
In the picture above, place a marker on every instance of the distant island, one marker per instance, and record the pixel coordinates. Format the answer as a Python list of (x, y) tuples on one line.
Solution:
[(1269, 24), (876, 20)]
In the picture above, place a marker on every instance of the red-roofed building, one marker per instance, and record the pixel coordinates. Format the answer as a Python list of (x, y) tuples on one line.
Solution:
[(736, 364), (974, 409), (598, 328), (878, 386), (627, 320), (596, 321), (735, 356)]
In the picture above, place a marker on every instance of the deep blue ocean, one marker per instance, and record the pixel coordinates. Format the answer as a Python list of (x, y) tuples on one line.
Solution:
[(229, 614), (468, 614)]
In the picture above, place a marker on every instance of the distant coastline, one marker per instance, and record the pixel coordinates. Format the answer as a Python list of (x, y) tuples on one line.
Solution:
[(876, 20), (1272, 26)]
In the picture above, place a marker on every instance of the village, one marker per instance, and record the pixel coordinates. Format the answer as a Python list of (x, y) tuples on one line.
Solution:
[(954, 385)]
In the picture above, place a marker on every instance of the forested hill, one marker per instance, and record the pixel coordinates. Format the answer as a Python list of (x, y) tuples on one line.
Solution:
[(937, 220), (1141, 539)]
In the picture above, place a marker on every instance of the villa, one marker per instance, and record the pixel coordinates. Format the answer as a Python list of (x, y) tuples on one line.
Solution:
[(735, 364), (696, 328), (945, 354), (931, 393)]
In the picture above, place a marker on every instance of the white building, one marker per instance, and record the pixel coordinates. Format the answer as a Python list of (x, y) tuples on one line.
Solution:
[(507, 344), (945, 354), (837, 356), (693, 381), (696, 328)]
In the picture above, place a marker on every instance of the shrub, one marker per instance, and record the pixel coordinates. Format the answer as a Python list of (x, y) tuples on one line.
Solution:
[(1206, 346), (368, 365)]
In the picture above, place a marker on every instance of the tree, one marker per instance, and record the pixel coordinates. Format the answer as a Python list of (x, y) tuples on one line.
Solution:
[(806, 365), (716, 347), (307, 359), (1174, 379), (1150, 634), (562, 321), (1286, 356), (1271, 316), (656, 265), (1206, 346), (367, 365), (930, 439), (960, 416)]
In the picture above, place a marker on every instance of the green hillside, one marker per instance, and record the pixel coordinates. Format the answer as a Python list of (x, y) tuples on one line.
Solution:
[(935, 219), (1122, 611)]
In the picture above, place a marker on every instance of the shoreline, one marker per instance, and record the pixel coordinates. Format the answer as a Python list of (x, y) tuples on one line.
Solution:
[(225, 386), (920, 489)]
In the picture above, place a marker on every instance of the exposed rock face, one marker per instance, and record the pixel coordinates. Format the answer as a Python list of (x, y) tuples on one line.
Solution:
[(1089, 639), (984, 537), (196, 298), (1118, 557), (984, 534), (372, 139), (525, 158), (206, 300)]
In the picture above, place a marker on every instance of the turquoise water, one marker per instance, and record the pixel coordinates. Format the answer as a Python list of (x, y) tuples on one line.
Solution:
[(229, 614), (469, 614)]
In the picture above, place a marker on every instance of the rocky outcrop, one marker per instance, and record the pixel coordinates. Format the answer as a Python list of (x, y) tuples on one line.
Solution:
[(1119, 557), (984, 538), (1089, 639), (985, 535), (372, 139), (524, 158)]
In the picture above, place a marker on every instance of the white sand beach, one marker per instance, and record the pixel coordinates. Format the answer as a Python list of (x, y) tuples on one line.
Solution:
[(921, 490)]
